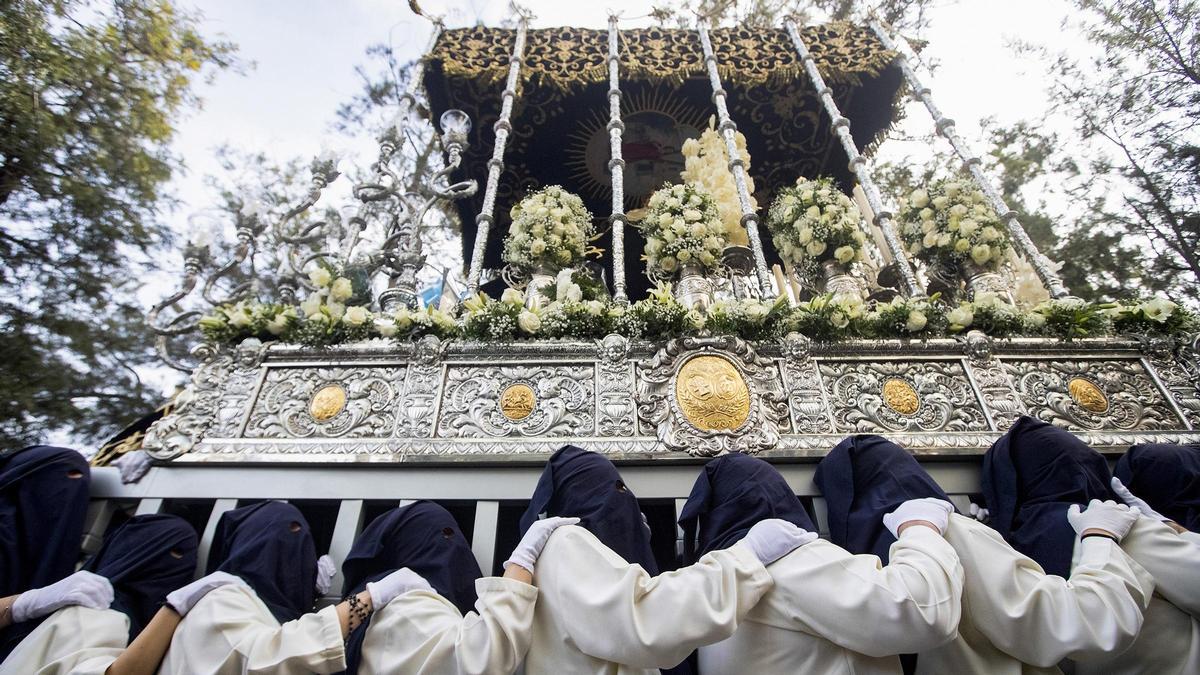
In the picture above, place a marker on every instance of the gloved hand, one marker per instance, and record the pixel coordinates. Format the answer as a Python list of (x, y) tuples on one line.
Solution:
[(530, 547), (1136, 502), (980, 513), (773, 538), (133, 466), (81, 588), (325, 571), (929, 509), (182, 600), (1107, 516), (394, 585)]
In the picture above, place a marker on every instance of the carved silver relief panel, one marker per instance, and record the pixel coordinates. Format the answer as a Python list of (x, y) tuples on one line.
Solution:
[(1091, 394), (615, 410), (893, 396), (810, 414), (326, 402), (550, 400), (708, 396)]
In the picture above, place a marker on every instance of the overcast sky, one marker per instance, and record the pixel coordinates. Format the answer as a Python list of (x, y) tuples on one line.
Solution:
[(304, 53)]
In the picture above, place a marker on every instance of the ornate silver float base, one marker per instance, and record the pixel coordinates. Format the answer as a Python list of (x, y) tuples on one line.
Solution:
[(430, 401)]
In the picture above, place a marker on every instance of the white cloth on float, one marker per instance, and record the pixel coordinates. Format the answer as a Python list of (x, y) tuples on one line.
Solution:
[(831, 611), (1169, 642), (422, 633), (230, 631), (598, 614), (76, 640), (1018, 619)]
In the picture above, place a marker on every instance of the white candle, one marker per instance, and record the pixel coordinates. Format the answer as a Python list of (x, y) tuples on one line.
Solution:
[(860, 198)]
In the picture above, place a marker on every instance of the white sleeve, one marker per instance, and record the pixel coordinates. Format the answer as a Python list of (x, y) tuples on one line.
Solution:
[(617, 612), (77, 640), (1040, 618), (913, 604), (422, 633), (230, 630), (1171, 558), (1193, 537)]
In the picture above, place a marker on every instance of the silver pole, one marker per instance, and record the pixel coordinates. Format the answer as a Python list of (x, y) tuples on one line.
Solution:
[(616, 165), (728, 128), (858, 164), (409, 98), (945, 129), (483, 222)]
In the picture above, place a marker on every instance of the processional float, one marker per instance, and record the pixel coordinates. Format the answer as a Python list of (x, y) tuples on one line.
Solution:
[(772, 304)]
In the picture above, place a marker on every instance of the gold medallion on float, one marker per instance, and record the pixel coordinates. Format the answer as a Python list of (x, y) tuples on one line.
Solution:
[(517, 401), (1087, 395), (712, 394), (327, 402), (900, 396)]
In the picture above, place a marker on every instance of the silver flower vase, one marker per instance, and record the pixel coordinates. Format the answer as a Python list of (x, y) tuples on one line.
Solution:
[(541, 278), (980, 279), (693, 289), (840, 282)]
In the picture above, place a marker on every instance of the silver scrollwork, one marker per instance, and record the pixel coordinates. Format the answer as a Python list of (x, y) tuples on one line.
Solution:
[(366, 410), (1130, 399), (614, 386), (659, 409), (563, 395), (937, 391)]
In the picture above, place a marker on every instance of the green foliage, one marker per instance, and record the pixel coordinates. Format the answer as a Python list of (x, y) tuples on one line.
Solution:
[(1072, 319), (90, 95)]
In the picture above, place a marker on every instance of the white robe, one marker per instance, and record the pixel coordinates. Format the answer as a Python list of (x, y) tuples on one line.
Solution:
[(1018, 619), (422, 633), (834, 612), (76, 640), (230, 631), (1170, 639), (597, 614)]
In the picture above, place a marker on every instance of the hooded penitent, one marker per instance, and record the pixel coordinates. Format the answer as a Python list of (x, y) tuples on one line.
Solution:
[(732, 493), (863, 479), (581, 484), (1167, 476), (1031, 476), (146, 558), (423, 537), (43, 503), (270, 547)]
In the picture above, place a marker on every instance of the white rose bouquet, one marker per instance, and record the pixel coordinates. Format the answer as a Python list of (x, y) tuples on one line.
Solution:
[(682, 227), (950, 223), (813, 222), (905, 317), (550, 229)]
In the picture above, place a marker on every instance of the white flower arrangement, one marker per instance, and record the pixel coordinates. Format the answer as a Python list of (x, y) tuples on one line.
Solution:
[(813, 222), (950, 223), (706, 163), (682, 227), (550, 229)]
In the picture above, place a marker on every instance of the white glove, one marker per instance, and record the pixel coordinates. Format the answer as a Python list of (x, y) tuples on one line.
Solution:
[(1109, 516), (133, 466), (325, 571), (771, 539), (1136, 502), (394, 585), (81, 588), (929, 509), (530, 547), (182, 600), (979, 513)]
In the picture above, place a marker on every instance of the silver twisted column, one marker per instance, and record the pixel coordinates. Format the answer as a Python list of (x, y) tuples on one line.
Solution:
[(483, 222), (858, 164), (728, 128), (945, 129), (616, 165)]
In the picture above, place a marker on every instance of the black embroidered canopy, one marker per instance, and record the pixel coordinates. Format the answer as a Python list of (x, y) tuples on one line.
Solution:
[(560, 113)]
